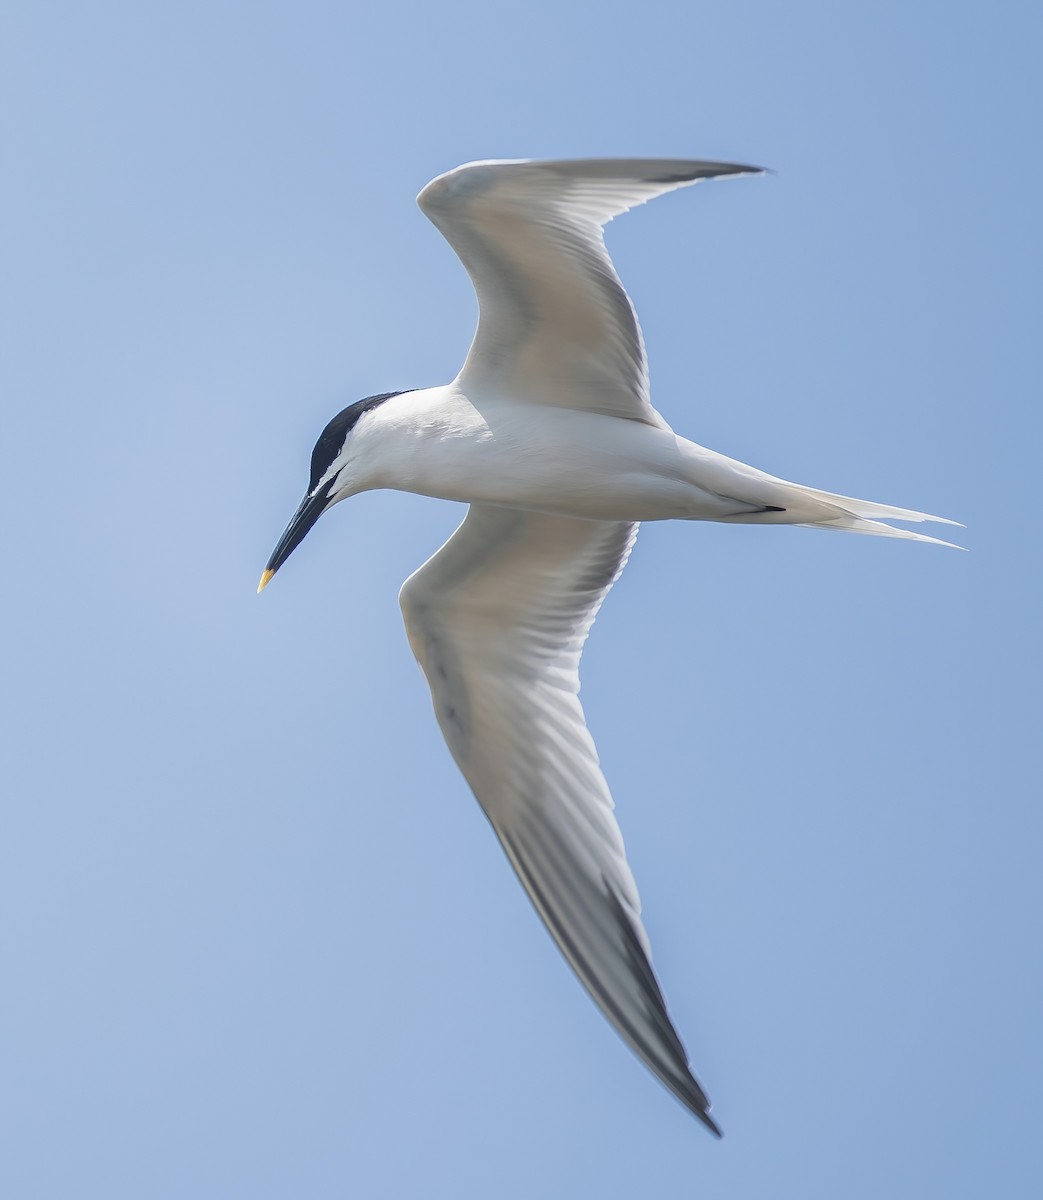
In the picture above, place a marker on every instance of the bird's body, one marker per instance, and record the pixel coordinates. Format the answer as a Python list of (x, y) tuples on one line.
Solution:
[(549, 435), (494, 449), (439, 442)]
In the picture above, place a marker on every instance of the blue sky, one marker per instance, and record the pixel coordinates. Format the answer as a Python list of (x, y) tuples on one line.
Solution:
[(257, 939)]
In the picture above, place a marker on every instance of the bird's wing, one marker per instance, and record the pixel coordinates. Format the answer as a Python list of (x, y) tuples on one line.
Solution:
[(497, 620), (555, 325)]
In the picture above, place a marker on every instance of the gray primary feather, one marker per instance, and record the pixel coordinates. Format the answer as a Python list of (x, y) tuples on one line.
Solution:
[(554, 319), (497, 619)]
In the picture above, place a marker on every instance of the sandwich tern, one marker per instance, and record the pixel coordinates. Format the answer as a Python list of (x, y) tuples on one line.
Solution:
[(548, 433)]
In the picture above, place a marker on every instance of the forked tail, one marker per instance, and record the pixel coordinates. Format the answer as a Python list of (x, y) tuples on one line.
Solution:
[(863, 516), (774, 501)]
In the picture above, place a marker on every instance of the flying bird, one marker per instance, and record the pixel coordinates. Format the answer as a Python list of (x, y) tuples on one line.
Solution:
[(549, 435)]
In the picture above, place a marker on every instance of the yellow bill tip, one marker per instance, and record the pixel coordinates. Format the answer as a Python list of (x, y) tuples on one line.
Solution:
[(266, 578)]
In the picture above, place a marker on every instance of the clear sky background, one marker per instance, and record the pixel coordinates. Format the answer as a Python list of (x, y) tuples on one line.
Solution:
[(256, 938)]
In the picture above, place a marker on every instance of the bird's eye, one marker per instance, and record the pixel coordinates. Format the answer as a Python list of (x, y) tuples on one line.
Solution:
[(322, 458)]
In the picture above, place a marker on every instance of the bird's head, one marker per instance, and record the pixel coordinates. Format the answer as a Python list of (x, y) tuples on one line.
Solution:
[(330, 479)]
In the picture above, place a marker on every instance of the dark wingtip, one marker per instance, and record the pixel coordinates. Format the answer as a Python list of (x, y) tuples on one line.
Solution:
[(709, 1122), (711, 170)]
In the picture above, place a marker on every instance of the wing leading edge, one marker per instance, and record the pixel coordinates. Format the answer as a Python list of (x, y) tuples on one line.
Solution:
[(497, 620), (555, 324)]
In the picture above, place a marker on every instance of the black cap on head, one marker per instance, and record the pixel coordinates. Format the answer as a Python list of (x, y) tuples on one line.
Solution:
[(331, 440), (327, 449)]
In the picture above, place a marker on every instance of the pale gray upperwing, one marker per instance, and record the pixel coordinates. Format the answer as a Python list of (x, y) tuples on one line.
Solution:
[(497, 619), (555, 325)]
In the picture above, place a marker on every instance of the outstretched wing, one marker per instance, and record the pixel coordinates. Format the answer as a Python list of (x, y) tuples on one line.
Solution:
[(497, 619), (555, 325)]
